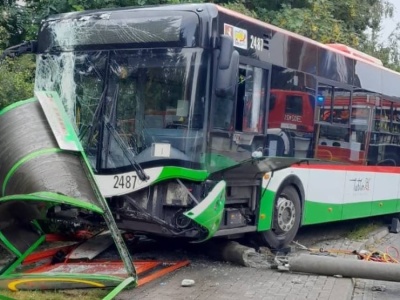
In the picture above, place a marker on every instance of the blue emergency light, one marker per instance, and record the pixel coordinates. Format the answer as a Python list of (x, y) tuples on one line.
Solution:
[(320, 100)]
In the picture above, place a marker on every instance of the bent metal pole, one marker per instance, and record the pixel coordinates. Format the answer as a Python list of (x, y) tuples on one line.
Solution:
[(330, 266)]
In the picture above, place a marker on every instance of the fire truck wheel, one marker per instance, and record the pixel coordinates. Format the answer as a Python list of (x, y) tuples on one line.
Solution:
[(286, 222)]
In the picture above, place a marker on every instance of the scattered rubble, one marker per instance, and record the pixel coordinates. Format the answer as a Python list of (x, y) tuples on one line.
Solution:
[(232, 251), (297, 281), (379, 288), (187, 282)]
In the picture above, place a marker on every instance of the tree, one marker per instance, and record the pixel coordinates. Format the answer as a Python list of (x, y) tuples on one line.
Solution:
[(388, 51), (340, 21), (16, 79)]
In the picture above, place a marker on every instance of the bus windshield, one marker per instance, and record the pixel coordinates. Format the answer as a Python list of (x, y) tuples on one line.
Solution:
[(118, 29), (142, 105)]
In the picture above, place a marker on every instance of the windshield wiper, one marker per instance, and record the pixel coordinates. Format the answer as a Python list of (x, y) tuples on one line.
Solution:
[(99, 115), (128, 154), (96, 115)]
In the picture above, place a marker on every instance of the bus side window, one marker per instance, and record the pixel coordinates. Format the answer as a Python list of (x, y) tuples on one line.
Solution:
[(254, 98), (223, 113), (240, 98)]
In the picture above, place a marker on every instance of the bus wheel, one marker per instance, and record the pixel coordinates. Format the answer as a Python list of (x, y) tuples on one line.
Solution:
[(287, 214)]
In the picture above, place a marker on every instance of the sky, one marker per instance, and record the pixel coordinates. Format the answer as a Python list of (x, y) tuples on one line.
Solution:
[(389, 25)]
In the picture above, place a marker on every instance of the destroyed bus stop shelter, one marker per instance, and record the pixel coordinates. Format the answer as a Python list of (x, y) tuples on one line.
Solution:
[(46, 182)]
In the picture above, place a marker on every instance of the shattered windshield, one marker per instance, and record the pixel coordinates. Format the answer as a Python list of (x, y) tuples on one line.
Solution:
[(141, 106), (117, 29)]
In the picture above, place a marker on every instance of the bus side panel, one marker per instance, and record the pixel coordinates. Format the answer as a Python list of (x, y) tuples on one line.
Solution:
[(386, 193), (349, 192), (324, 196), (358, 194)]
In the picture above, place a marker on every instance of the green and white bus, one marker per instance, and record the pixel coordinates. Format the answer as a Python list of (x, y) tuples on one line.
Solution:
[(172, 104)]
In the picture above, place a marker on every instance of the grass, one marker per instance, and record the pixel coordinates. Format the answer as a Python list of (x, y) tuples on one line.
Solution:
[(83, 294), (362, 230)]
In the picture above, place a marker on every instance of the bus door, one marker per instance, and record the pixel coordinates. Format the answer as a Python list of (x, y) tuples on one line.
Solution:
[(251, 105)]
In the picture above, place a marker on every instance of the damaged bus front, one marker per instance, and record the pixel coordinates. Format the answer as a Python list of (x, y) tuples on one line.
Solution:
[(136, 83)]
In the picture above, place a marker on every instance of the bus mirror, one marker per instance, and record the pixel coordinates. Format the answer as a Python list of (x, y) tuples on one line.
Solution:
[(226, 50), (227, 78), (227, 67)]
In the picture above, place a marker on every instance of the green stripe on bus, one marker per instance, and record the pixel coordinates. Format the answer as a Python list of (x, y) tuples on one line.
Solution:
[(22, 161), (182, 173), (317, 212), (266, 210)]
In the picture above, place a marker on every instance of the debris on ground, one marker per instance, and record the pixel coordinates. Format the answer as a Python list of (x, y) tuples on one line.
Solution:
[(379, 288), (187, 282), (296, 281), (234, 252)]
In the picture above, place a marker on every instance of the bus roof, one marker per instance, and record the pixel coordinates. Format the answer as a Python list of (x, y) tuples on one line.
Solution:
[(337, 48)]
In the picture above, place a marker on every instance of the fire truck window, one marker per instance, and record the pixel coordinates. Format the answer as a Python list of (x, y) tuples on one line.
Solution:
[(336, 107), (325, 111), (383, 115), (294, 105), (341, 106), (272, 101), (385, 134)]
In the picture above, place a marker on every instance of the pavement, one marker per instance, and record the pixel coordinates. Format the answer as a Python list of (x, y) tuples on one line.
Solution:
[(375, 289), (215, 280), (220, 280)]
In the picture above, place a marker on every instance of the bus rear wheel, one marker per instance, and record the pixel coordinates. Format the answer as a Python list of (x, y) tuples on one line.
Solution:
[(286, 222)]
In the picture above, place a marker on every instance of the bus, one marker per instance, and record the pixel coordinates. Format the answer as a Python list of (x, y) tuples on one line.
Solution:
[(177, 109)]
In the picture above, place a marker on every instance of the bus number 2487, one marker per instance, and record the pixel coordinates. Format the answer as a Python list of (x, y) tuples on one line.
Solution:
[(124, 181), (256, 43)]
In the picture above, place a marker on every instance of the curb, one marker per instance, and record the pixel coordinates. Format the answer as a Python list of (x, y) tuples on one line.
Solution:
[(376, 236), (373, 238)]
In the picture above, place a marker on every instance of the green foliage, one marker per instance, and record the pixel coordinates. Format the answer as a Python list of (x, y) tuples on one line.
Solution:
[(316, 22), (16, 79), (388, 51), (327, 21), (4, 36), (241, 8)]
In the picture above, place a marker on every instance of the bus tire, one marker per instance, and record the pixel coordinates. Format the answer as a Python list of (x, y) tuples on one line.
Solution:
[(286, 220)]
